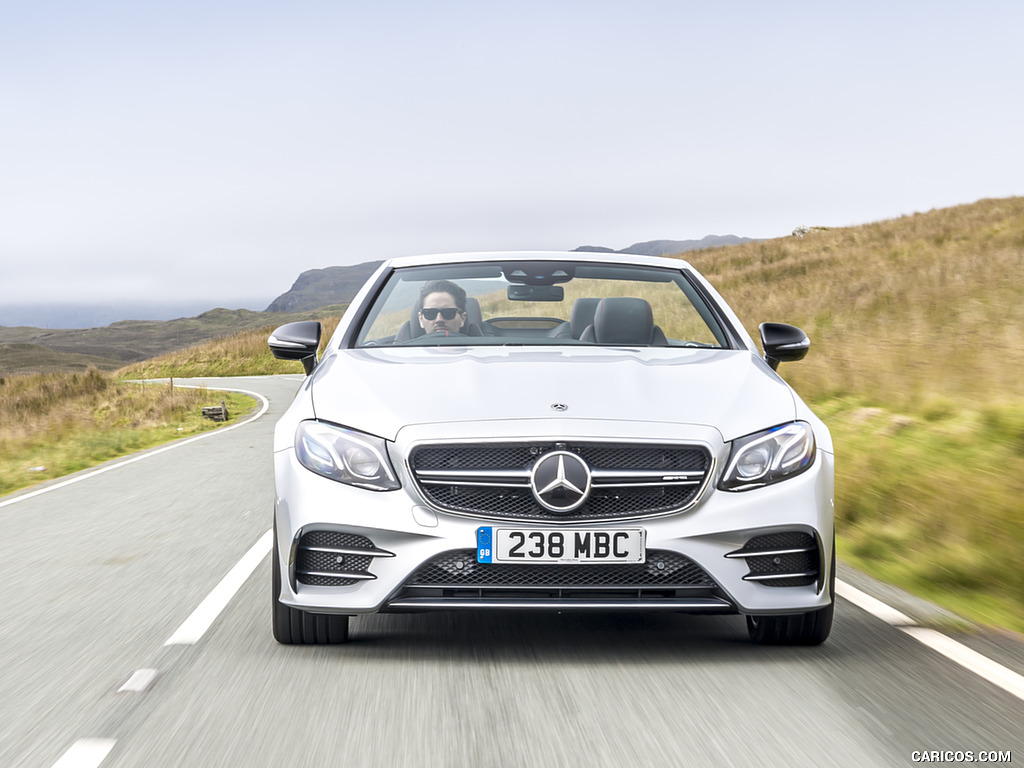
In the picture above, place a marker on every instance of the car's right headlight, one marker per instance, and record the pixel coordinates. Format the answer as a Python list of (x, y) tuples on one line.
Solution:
[(344, 455), (769, 456)]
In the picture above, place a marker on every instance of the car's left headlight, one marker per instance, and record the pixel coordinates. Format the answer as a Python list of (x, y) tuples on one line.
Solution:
[(350, 457), (768, 457)]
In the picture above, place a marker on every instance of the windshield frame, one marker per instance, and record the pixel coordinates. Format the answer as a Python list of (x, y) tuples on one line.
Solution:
[(544, 275)]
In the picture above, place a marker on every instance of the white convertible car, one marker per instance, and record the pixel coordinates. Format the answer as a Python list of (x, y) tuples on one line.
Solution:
[(554, 432)]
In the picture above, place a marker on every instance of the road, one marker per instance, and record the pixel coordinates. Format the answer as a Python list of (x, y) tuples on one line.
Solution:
[(100, 573)]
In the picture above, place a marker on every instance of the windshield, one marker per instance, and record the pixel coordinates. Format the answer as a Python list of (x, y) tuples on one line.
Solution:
[(540, 303)]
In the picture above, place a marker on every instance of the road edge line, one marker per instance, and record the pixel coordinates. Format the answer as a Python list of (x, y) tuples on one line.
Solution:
[(967, 658)]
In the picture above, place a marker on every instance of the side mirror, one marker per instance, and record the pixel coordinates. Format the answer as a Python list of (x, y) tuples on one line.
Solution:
[(297, 341), (783, 344)]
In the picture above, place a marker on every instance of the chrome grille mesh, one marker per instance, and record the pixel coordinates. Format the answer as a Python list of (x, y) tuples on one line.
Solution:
[(492, 480), (497, 456)]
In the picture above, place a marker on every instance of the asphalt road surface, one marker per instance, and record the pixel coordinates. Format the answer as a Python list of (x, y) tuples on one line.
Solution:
[(135, 631)]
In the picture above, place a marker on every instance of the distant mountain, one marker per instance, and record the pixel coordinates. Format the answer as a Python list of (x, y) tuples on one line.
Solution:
[(594, 249), (671, 247), (317, 288)]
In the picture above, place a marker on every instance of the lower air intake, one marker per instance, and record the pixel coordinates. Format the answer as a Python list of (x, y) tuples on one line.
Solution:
[(788, 559)]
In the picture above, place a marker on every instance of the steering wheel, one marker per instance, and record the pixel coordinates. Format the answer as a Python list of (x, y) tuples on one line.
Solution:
[(431, 336)]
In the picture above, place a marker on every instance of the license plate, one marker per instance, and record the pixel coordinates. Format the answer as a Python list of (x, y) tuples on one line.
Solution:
[(559, 545)]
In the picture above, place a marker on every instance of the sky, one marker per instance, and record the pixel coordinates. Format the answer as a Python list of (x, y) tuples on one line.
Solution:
[(207, 153)]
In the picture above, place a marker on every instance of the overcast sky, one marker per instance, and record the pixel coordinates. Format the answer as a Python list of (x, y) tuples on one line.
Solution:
[(211, 151)]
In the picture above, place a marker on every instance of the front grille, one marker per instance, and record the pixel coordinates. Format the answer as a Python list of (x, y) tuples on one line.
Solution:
[(492, 480), (334, 559), (458, 571), (781, 559)]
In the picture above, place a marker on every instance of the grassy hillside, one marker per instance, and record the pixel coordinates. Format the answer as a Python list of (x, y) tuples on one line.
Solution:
[(916, 358), (243, 354), (906, 313), (33, 358)]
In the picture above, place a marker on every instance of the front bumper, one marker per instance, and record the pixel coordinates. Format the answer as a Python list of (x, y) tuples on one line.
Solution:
[(731, 539)]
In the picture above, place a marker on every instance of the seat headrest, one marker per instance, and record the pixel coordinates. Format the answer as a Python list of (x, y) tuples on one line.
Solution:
[(623, 320), (414, 319), (473, 314), (582, 315)]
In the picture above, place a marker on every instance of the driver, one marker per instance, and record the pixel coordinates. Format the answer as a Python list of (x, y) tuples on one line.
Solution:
[(442, 307)]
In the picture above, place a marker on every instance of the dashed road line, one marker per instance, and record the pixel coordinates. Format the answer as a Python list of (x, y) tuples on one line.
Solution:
[(139, 681), (91, 752), (86, 753)]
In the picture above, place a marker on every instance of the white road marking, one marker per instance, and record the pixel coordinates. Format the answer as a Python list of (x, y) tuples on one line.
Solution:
[(204, 615), (86, 753), (969, 659), (139, 682), (91, 752), (141, 456), (875, 607)]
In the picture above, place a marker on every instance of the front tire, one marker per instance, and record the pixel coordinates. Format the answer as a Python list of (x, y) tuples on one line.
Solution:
[(293, 626), (811, 628)]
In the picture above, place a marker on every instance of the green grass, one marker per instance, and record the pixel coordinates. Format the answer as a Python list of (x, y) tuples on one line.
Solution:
[(57, 424), (931, 502), (242, 354), (915, 361)]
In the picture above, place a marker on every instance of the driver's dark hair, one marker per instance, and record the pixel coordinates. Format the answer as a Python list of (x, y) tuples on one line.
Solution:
[(445, 286)]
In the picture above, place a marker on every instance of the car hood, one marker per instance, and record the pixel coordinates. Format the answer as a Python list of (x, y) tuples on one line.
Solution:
[(379, 391)]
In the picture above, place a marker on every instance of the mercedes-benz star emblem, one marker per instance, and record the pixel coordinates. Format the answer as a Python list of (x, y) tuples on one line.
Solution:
[(559, 407), (560, 481)]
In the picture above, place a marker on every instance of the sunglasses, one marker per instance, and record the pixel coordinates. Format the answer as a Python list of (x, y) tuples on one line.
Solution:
[(448, 313)]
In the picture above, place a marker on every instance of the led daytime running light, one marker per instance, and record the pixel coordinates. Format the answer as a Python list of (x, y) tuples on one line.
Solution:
[(770, 456)]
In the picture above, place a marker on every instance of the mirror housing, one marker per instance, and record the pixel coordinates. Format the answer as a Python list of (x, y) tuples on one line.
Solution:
[(517, 292), (297, 341), (783, 343)]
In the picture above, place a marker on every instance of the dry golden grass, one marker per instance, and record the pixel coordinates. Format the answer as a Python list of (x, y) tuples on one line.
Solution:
[(58, 423), (916, 356), (900, 312), (243, 354)]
